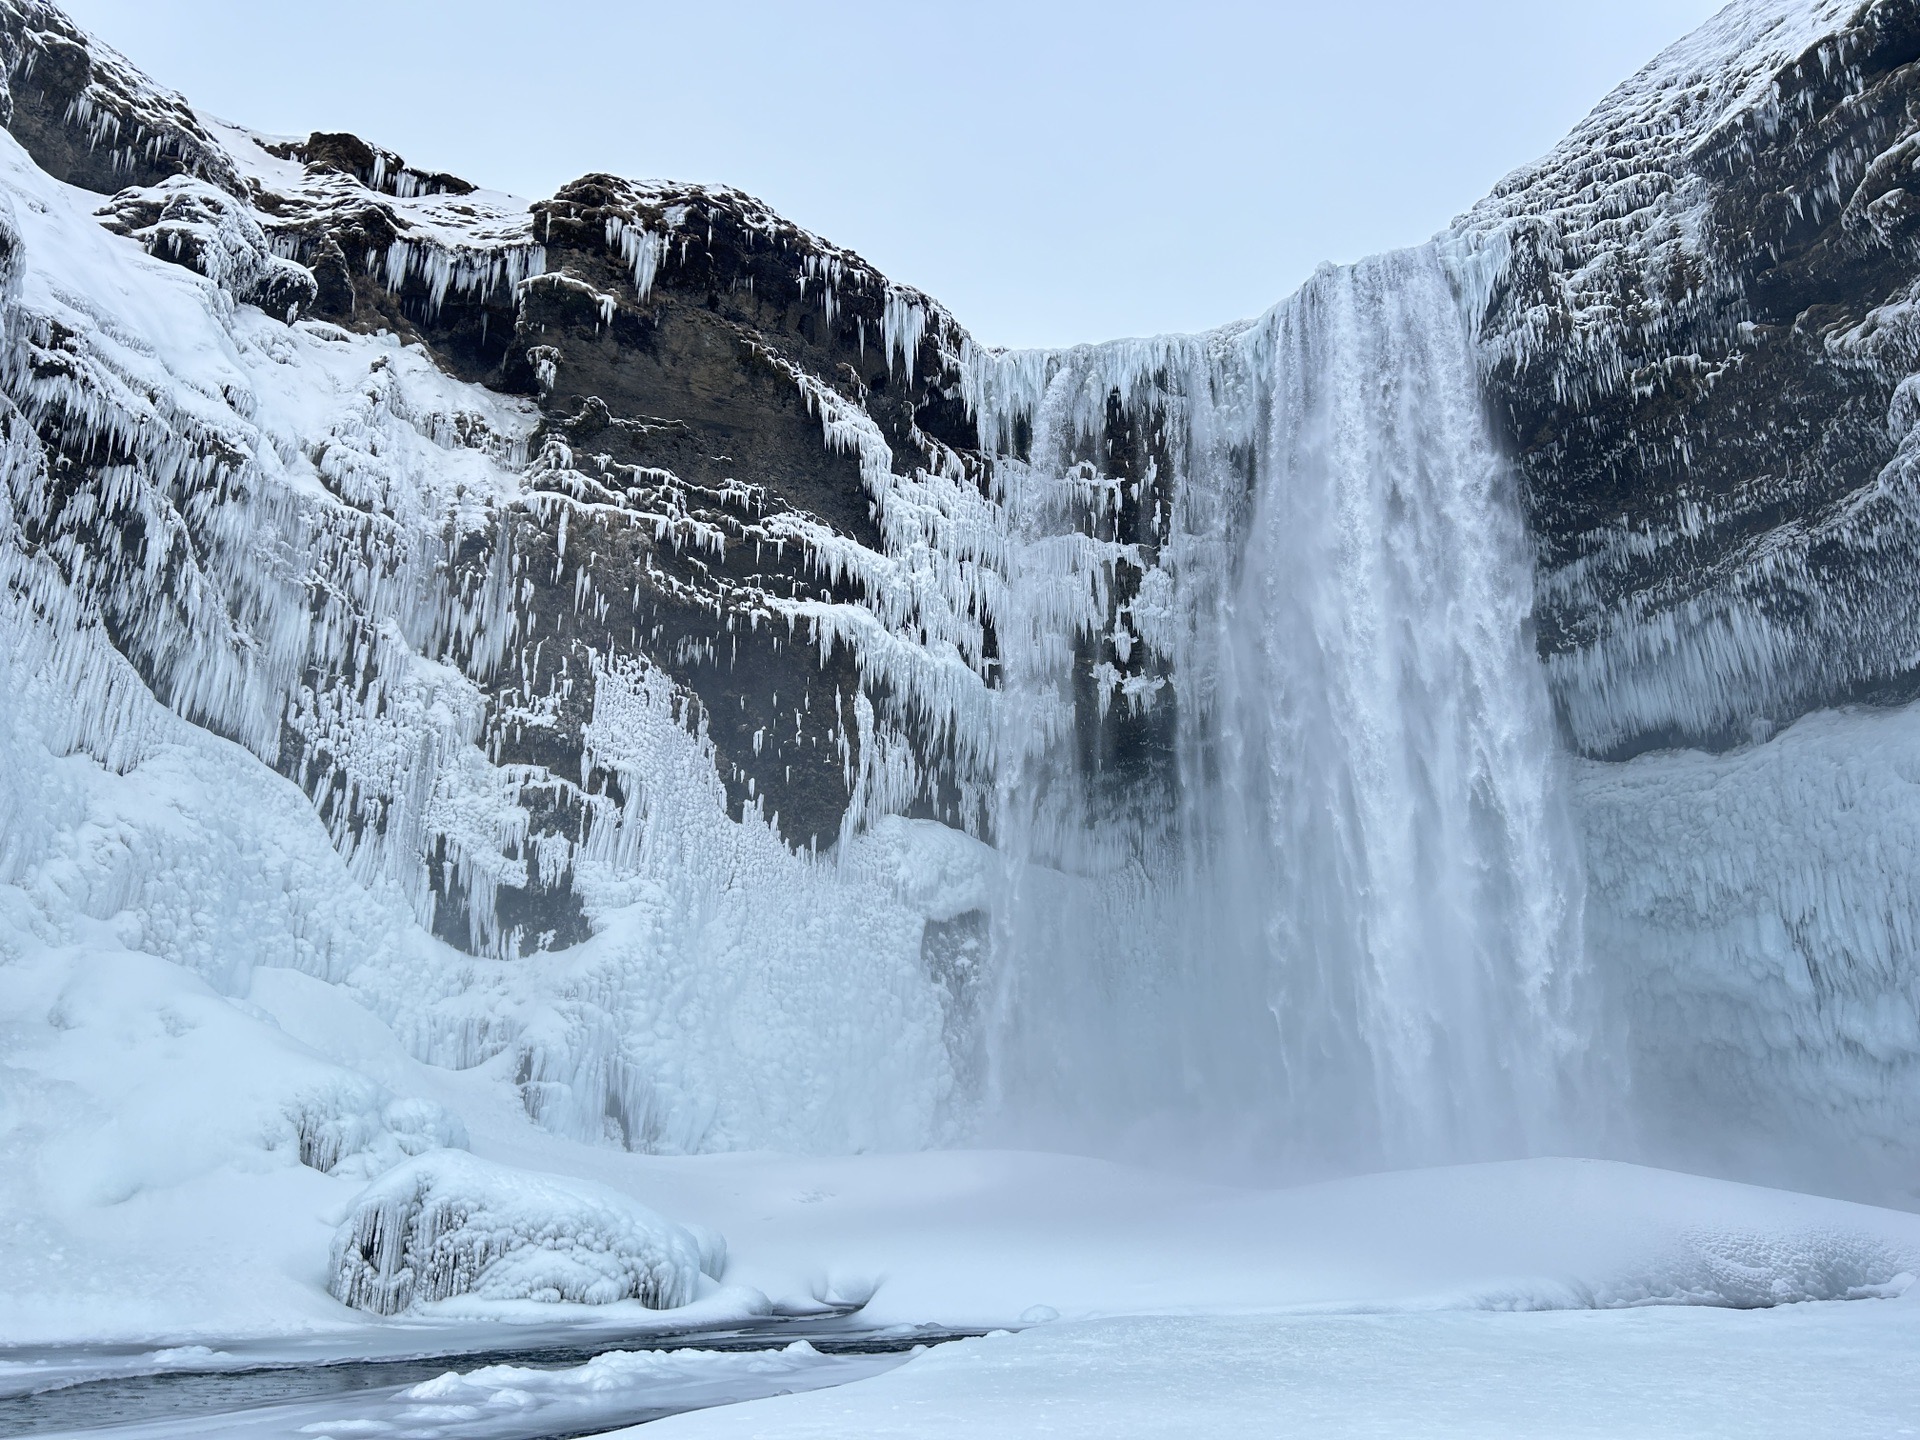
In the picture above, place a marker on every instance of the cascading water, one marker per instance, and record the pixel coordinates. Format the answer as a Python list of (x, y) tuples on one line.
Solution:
[(1324, 883)]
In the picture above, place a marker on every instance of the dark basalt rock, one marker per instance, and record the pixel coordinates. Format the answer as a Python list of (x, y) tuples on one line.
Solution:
[(1696, 350), (1700, 412), (684, 400), (376, 168), (88, 117)]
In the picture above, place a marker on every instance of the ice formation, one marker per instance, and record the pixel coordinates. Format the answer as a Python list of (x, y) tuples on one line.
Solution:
[(446, 1224), (314, 489), (1190, 781), (1757, 909)]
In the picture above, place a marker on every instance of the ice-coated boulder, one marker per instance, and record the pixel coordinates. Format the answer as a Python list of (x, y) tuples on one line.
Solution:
[(446, 1223), (205, 229)]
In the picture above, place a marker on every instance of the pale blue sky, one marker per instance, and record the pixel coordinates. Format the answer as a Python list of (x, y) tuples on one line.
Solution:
[(1052, 170)]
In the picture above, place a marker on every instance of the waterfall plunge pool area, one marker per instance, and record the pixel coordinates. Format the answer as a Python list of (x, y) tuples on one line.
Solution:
[(1352, 946), (1536, 1298), (1812, 1369)]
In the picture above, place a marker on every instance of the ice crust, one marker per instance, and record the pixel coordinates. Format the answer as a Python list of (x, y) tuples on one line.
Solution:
[(446, 1224)]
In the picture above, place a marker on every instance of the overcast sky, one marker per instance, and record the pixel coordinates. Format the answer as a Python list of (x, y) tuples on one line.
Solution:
[(1052, 170)]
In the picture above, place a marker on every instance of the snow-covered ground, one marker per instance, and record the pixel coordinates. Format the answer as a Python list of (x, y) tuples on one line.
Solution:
[(1546, 1297), (970, 1239), (1797, 1371), (1800, 1372)]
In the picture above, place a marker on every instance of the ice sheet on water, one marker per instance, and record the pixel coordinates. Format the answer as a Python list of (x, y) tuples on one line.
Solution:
[(615, 1369)]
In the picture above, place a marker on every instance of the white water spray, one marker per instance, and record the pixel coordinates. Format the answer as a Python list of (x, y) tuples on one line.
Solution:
[(1346, 911)]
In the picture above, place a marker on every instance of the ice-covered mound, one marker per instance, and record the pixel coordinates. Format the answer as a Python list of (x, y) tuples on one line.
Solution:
[(448, 1224)]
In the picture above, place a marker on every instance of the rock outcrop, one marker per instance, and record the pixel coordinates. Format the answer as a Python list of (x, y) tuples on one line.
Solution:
[(1702, 344), (724, 403)]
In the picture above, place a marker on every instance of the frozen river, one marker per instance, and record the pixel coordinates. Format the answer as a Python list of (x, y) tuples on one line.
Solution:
[(527, 1388)]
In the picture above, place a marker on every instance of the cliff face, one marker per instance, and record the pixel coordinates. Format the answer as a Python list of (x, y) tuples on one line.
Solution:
[(592, 565), (1701, 343), (1701, 346), (721, 404)]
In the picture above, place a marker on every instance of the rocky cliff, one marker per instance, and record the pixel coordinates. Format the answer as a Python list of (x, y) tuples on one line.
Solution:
[(593, 565), (1701, 345), (724, 405)]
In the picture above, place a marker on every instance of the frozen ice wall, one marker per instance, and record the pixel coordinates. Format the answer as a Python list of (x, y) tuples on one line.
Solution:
[(1337, 909), (1756, 911), (222, 534), (1222, 646)]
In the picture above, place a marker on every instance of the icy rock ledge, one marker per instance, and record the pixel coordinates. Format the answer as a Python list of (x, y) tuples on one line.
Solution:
[(447, 1224)]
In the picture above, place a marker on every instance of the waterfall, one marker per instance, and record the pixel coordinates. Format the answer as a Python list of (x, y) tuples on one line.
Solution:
[(1281, 801)]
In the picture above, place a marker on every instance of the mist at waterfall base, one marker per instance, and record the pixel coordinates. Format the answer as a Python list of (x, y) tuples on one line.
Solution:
[(1323, 913)]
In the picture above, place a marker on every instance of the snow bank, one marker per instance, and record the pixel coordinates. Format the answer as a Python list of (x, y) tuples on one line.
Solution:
[(977, 1239), (163, 1081), (1653, 1375), (447, 1224)]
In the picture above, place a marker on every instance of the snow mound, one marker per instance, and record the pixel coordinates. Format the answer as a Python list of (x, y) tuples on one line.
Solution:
[(447, 1224)]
